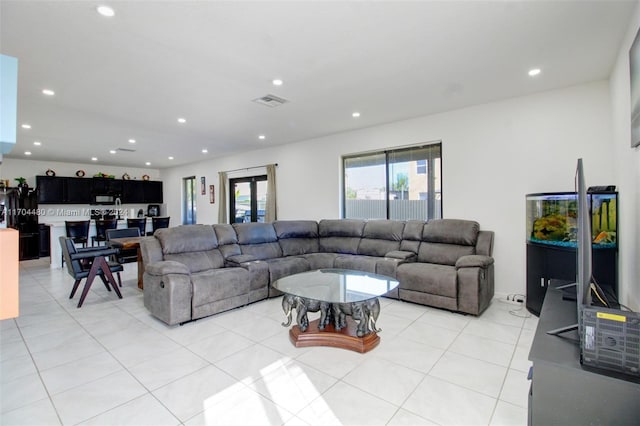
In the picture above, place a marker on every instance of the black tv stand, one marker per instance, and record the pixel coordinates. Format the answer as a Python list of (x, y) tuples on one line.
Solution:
[(564, 392), (547, 263)]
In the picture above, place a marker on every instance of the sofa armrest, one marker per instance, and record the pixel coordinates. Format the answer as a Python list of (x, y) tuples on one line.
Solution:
[(238, 259), (165, 267), (407, 256), (474, 261)]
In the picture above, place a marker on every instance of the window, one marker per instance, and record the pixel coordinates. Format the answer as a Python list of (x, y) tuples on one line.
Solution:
[(398, 184), (248, 199), (189, 200)]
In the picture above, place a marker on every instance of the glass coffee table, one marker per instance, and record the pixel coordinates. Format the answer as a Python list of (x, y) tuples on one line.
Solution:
[(348, 304)]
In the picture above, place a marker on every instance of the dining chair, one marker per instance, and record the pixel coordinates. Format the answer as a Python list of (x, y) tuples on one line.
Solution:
[(101, 230), (124, 255), (159, 222), (138, 222), (88, 263), (78, 231)]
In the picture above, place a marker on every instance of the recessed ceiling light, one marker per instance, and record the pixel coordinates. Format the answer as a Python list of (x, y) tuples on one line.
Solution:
[(132, 141), (170, 158), (26, 126), (182, 120), (48, 92), (277, 82), (27, 153), (148, 163), (262, 137), (205, 150), (37, 143), (106, 11), (112, 151), (94, 158), (534, 71), (355, 114)]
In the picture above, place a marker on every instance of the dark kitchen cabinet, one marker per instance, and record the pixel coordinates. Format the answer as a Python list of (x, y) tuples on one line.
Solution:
[(107, 186), (44, 232), (77, 190), (50, 189), (142, 191), (132, 191), (153, 192), (63, 190)]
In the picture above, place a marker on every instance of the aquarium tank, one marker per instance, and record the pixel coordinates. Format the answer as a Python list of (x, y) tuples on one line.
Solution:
[(551, 219)]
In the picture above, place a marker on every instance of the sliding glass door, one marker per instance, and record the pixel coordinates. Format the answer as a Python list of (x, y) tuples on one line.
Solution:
[(248, 198), (189, 200)]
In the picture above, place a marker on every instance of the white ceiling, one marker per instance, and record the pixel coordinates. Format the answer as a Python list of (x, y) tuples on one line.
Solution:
[(133, 75)]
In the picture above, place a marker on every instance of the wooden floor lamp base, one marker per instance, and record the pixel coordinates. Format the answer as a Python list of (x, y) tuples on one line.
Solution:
[(345, 338)]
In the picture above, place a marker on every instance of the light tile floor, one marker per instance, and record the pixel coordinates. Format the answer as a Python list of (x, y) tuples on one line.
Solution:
[(111, 363)]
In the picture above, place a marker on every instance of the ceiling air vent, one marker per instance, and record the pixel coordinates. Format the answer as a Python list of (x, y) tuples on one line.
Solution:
[(271, 101), (126, 149)]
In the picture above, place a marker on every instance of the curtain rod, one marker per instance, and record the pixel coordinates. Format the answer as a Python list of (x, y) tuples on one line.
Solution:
[(249, 168)]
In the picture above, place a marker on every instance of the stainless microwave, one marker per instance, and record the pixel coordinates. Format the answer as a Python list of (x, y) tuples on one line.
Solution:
[(103, 199)]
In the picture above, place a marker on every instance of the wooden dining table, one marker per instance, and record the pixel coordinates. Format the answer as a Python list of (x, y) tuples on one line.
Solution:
[(127, 243)]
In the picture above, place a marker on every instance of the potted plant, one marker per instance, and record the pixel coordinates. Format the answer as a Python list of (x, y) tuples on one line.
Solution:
[(22, 182)]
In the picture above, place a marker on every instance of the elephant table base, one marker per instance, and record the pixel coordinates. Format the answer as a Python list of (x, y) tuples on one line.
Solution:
[(346, 338), (348, 304)]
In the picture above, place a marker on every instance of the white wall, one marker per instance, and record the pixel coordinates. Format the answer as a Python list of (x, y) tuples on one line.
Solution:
[(493, 154), (627, 173)]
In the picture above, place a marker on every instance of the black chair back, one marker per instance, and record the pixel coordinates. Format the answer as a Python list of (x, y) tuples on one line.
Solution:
[(159, 222), (139, 222), (68, 247), (123, 233), (102, 225), (77, 230)]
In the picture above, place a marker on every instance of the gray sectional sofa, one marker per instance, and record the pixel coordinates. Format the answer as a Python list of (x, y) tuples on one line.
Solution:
[(193, 271)]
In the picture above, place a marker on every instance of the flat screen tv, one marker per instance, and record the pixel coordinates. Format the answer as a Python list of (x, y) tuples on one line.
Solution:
[(583, 252)]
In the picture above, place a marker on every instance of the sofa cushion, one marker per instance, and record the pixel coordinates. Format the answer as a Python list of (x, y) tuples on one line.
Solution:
[(198, 261), (340, 235), (341, 228), (451, 231), (443, 254), (379, 237), (357, 262), (187, 238), (258, 240), (474, 261), (255, 233), (285, 266), (412, 235), (262, 251), (296, 228), (297, 237), (225, 234), (390, 230), (321, 260), (428, 278), (218, 284)]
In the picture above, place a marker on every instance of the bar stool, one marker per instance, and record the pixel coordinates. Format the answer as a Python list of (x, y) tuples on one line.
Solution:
[(101, 230), (159, 222), (140, 223), (78, 231)]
